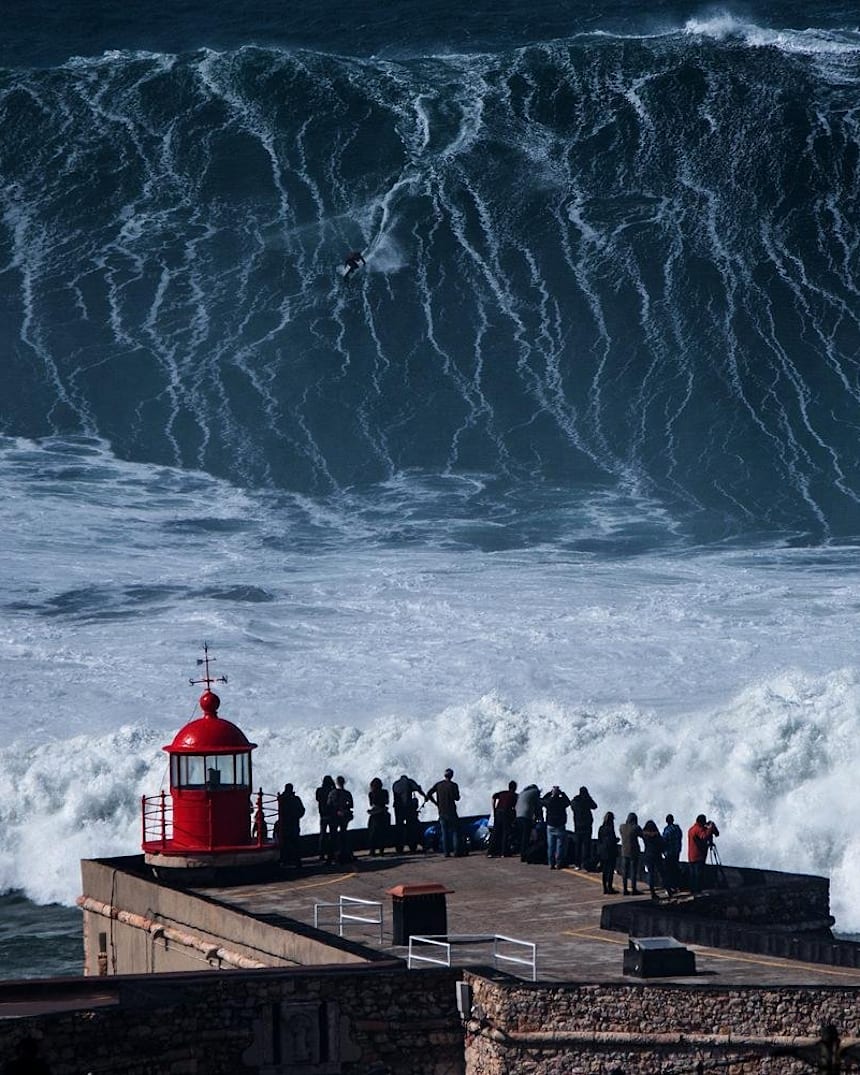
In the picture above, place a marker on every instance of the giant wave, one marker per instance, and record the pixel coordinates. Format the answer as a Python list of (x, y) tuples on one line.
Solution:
[(605, 260)]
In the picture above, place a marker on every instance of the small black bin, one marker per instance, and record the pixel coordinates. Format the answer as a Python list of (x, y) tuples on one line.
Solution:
[(658, 957), (420, 909)]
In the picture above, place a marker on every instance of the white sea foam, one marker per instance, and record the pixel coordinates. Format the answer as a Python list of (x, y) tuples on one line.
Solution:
[(724, 26), (369, 642)]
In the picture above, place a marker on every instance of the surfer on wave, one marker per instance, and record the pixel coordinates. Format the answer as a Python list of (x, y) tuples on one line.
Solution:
[(352, 263)]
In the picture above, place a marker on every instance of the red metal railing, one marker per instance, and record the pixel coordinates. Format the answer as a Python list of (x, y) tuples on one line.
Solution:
[(157, 818), (158, 829)]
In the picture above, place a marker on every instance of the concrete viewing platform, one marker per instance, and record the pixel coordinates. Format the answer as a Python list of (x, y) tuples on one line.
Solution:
[(559, 911)]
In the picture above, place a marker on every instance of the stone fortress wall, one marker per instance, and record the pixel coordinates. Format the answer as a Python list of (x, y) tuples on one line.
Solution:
[(333, 1021), (287, 999), (524, 1029)]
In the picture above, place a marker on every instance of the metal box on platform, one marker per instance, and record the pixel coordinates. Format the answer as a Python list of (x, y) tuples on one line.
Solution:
[(418, 909), (658, 957)]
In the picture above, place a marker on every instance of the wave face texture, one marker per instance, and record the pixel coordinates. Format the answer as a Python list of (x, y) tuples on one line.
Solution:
[(606, 261)]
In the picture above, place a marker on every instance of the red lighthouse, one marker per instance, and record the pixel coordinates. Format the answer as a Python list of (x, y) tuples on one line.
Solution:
[(212, 820)]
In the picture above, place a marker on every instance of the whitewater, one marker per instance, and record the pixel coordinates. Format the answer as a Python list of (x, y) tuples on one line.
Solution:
[(685, 680), (564, 488)]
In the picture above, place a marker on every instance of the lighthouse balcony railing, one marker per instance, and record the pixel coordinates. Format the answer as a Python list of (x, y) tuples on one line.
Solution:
[(159, 830), (157, 819)]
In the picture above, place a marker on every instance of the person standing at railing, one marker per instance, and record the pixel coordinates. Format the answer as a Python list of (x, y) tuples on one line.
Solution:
[(630, 833), (504, 821), (445, 794), (555, 804), (291, 810), (341, 810), (700, 837), (406, 808), (582, 806), (378, 817), (528, 812), (326, 827), (607, 849), (673, 838)]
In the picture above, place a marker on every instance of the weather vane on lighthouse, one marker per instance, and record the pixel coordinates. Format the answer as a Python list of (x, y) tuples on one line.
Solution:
[(204, 831), (206, 678)]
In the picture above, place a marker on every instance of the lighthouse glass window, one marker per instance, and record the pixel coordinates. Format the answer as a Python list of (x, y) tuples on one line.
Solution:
[(210, 771)]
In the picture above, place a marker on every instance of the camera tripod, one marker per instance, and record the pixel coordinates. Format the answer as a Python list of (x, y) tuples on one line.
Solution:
[(717, 863)]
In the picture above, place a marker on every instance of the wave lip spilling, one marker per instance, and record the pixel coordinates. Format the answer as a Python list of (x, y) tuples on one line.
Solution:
[(815, 42)]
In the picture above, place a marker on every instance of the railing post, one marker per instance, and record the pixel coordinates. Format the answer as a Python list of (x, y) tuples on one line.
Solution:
[(143, 818), (260, 819), (163, 821)]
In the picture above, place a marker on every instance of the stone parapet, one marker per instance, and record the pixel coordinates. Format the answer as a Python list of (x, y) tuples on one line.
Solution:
[(335, 1021), (523, 1028)]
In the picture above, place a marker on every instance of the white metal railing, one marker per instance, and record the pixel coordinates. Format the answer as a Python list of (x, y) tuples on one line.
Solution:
[(531, 961), (347, 908), (437, 942), (443, 942)]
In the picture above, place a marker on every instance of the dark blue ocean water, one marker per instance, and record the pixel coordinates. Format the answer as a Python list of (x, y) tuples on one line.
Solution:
[(571, 469), (609, 246)]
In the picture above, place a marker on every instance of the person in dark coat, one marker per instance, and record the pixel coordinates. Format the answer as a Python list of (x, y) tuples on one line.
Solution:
[(291, 810), (341, 809), (406, 829), (630, 833), (378, 817), (673, 838), (607, 849), (555, 804), (326, 826), (652, 856), (583, 823)]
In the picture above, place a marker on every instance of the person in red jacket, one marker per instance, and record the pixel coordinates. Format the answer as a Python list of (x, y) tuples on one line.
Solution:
[(700, 836), (504, 821)]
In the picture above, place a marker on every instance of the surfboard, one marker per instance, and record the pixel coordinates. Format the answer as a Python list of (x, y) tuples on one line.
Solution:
[(345, 273)]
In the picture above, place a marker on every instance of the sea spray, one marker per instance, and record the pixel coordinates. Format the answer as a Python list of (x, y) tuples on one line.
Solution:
[(774, 767)]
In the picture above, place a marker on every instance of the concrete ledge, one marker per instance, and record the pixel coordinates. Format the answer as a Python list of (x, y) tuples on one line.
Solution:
[(208, 859)]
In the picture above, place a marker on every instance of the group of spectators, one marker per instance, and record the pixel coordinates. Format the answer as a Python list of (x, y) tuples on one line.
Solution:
[(517, 818), (336, 809), (524, 822)]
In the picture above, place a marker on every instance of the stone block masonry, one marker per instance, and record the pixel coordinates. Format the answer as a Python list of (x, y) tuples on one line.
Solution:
[(338, 1021), (521, 1029)]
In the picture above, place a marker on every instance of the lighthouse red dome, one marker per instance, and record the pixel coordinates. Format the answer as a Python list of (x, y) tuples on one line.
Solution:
[(209, 734), (213, 820)]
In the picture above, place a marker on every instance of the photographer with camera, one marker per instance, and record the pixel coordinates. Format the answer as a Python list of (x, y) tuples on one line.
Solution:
[(700, 836)]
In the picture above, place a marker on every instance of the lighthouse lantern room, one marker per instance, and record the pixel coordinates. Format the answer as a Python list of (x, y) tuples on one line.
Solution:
[(212, 819)]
